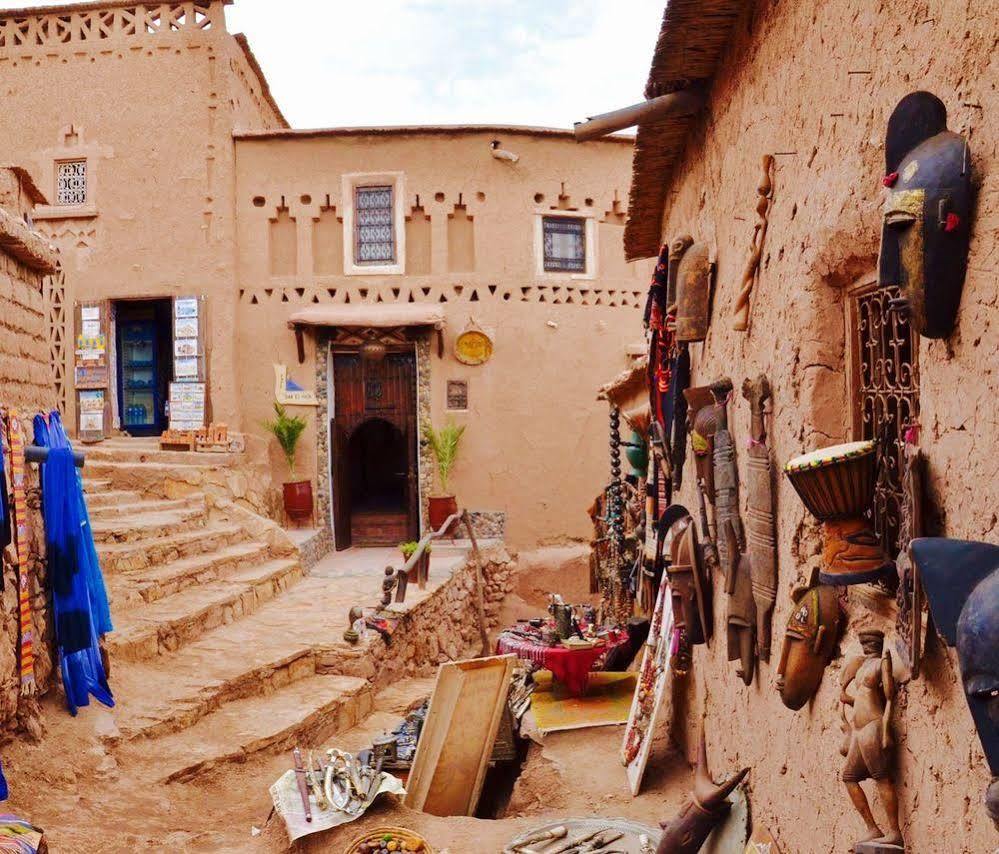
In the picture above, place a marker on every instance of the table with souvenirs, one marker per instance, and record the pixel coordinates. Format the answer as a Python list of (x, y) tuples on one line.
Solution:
[(570, 659)]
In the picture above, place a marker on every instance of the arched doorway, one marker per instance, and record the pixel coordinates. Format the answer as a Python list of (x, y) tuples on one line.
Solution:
[(379, 483)]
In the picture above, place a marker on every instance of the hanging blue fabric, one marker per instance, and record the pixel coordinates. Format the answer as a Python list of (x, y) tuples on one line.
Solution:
[(67, 558), (4, 791), (99, 607)]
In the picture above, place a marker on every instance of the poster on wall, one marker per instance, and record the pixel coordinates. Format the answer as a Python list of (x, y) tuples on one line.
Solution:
[(90, 376), (185, 307), (287, 392), (185, 327), (183, 347), (187, 406), (91, 408), (90, 312), (185, 367)]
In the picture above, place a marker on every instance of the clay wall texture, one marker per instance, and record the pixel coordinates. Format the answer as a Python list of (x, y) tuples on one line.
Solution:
[(819, 80), (27, 384), (531, 422)]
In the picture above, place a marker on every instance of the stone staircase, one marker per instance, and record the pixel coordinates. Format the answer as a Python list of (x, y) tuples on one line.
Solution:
[(217, 626)]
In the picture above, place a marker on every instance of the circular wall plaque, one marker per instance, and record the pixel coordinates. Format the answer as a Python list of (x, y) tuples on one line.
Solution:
[(473, 347)]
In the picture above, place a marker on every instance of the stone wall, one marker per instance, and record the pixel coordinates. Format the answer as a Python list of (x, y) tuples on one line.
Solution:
[(815, 83), (443, 627)]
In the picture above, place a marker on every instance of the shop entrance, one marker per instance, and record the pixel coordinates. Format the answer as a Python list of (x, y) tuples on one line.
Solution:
[(374, 460), (143, 343)]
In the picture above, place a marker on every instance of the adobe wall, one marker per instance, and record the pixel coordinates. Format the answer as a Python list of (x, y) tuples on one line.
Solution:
[(26, 384), (150, 100), (819, 81), (532, 428)]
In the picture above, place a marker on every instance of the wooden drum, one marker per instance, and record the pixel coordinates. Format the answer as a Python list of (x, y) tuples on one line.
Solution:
[(835, 482)]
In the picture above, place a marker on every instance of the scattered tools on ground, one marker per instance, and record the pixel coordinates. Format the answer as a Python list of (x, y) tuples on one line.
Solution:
[(303, 784), (586, 835)]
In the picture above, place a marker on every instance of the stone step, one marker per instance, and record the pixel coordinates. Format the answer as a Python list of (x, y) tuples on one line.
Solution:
[(118, 471), (154, 583), (173, 621), (128, 451), (126, 503), (105, 497), (275, 646), (142, 554), (94, 485), (143, 526), (306, 713)]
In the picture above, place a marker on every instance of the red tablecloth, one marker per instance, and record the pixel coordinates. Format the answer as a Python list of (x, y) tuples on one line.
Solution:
[(571, 667)]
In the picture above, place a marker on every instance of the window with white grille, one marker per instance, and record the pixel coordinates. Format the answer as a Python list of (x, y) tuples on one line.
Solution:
[(71, 182), (374, 235), (564, 244)]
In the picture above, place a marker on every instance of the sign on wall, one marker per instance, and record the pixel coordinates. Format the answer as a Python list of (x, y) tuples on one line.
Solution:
[(287, 392), (473, 346), (187, 406), (91, 369), (188, 391)]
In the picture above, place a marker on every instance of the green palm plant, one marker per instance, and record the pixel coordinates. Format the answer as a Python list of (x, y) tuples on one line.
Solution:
[(444, 444), (287, 429)]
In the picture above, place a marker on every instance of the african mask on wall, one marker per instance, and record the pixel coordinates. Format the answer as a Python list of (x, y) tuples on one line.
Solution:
[(961, 581), (693, 292), (927, 215), (689, 587), (809, 640)]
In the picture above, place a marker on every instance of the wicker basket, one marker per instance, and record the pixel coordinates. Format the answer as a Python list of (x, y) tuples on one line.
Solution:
[(377, 832)]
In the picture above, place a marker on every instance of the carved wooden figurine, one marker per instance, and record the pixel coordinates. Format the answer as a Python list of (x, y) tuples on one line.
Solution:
[(705, 810), (867, 743), (701, 424), (741, 624), (765, 192), (809, 641), (760, 534), (726, 477)]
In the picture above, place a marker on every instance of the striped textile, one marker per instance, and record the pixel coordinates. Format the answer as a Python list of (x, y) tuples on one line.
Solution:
[(15, 438)]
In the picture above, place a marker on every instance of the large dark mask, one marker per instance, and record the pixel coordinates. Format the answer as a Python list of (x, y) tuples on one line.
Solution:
[(692, 289), (927, 215), (961, 580)]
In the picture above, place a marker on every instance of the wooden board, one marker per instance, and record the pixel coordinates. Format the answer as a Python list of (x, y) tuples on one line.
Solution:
[(656, 658), (458, 736)]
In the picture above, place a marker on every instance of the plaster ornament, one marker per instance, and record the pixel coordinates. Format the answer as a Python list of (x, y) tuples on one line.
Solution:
[(836, 484), (961, 582), (927, 214), (810, 637), (867, 740), (473, 346), (705, 809)]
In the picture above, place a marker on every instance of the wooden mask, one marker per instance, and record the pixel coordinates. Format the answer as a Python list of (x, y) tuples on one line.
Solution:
[(809, 640), (693, 294)]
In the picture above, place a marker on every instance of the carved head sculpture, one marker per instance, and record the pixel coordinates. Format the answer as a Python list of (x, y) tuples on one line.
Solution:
[(692, 291), (961, 580), (809, 640), (702, 420), (927, 215), (689, 589)]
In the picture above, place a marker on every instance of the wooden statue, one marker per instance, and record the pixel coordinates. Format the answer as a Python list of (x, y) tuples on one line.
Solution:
[(764, 190), (701, 425), (726, 479), (741, 608), (867, 743), (705, 810), (760, 532)]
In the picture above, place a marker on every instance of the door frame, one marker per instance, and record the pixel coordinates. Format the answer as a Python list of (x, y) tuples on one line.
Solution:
[(338, 437)]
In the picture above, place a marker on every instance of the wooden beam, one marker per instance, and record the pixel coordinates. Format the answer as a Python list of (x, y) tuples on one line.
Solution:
[(684, 102)]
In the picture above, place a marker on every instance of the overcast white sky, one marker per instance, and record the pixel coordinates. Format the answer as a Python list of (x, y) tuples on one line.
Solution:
[(373, 62)]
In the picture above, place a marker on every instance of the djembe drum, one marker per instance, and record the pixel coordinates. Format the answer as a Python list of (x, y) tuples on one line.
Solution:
[(836, 484)]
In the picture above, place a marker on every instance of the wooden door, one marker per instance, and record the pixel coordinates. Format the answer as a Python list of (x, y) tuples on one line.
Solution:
[(364, 390)]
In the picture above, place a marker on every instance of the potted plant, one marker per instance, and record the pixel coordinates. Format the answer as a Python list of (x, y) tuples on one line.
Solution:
[(444, 444), (288, 429)]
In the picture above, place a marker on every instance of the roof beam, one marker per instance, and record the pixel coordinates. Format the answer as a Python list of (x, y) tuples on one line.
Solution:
[(682, 103)]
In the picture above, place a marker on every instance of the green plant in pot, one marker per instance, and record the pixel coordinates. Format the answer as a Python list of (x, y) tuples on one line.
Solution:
[(444, 444), (288, 430), (408, 549)]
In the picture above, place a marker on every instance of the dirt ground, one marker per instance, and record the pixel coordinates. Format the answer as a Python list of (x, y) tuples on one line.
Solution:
[(90, 795)]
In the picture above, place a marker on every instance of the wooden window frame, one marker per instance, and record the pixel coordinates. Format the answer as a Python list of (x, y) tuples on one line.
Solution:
[(589, 238)]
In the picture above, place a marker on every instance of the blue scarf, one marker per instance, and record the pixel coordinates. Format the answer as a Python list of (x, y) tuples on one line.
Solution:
[(73, 571)]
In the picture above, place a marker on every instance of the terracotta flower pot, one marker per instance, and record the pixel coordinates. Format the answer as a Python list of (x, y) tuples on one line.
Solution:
[(298, 500), (441, 506)]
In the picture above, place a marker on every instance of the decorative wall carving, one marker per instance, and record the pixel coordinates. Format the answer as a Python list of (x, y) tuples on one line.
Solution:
[(419, 241), (460, 240), (54, 291)]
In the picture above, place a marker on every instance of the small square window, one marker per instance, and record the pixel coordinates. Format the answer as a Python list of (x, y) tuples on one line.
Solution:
[(71, 182), (374, 235), (457, 394), (564, 244)]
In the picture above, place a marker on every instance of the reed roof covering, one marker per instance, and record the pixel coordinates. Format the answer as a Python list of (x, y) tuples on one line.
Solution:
[(692, 38)]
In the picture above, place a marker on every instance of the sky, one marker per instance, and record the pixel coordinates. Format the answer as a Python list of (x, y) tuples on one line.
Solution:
[(389, 62)]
